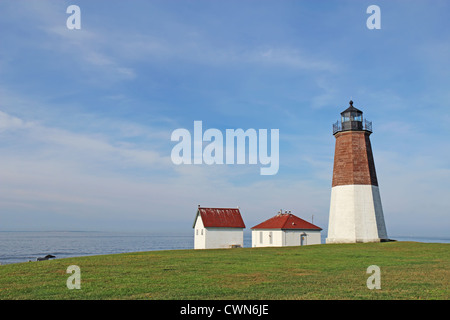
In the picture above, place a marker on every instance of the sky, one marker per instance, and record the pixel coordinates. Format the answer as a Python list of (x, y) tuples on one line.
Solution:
[(86, 115)]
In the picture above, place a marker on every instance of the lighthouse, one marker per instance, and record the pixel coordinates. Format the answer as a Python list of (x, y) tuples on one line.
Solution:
[(356, 214)]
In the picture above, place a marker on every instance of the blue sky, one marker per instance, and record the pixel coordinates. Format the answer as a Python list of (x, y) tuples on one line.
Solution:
[(86, 115)]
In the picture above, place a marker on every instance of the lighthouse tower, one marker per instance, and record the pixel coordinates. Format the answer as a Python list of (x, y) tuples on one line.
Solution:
[(356, 214)]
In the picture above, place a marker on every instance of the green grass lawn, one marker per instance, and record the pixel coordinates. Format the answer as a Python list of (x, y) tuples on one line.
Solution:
[(409, 270)]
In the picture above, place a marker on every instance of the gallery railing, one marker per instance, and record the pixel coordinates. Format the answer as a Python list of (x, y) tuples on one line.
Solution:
[(352, 125)]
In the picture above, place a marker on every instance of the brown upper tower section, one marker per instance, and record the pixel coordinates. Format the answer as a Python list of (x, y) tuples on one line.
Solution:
[(353, 158)]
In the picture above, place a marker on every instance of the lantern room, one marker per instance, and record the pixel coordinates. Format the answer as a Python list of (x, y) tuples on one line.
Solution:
[(352, 120)]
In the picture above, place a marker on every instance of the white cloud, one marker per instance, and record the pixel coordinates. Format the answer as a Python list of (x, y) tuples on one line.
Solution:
[(80, 145), (8, 122), (87, 47), (293, 58), (84, 177)]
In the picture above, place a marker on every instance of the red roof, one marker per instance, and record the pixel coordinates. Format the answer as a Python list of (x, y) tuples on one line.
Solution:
[(286, 221), (220, 217)]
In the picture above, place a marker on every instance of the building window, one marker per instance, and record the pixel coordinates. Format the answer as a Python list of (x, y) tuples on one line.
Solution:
[(196, 232), (270, 237), (260, 237), (202, 231)]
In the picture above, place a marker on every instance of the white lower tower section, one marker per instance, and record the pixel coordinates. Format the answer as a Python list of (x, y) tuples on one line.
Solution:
[(356, 215)]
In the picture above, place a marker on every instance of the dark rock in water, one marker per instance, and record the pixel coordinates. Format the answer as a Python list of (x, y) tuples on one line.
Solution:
[(45, 258)]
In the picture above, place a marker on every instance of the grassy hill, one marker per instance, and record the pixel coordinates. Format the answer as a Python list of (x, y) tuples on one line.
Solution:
[(409, 270)]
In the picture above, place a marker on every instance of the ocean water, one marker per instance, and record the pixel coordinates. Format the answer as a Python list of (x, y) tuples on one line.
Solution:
[(16, 247), (24, 246)]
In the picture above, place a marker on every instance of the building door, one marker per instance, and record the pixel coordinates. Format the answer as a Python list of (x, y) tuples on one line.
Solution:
[(303, 239)]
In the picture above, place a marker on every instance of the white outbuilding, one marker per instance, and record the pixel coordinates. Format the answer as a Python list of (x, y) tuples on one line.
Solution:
[(218, 228), (285, 229)]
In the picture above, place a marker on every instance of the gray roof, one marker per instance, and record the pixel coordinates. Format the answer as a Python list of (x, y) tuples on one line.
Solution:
[(351, 109)]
